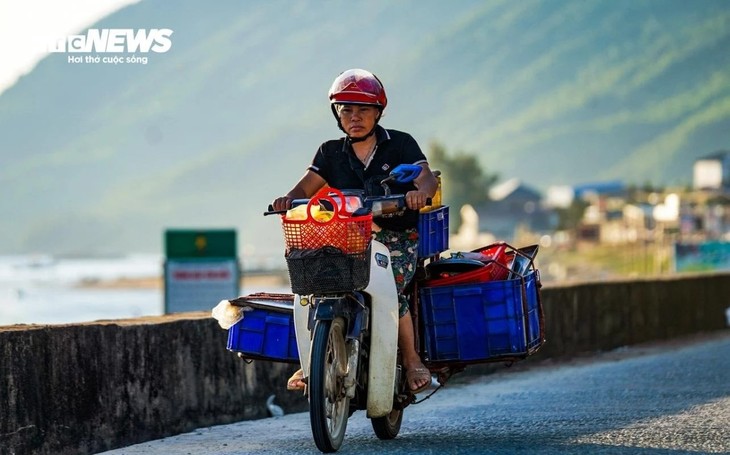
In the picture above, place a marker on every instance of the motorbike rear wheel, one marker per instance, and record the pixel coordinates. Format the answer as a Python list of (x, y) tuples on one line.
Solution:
[(387, 427), (328, 403)]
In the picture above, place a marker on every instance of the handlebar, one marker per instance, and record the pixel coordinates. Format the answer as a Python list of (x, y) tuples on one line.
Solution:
[(295, 202), (394, 204), (379, 206)]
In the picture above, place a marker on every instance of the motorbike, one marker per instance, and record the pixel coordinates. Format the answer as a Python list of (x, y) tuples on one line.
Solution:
[(344, 309)]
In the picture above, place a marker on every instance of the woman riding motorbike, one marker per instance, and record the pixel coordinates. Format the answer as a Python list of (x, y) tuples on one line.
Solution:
[(361, 160)]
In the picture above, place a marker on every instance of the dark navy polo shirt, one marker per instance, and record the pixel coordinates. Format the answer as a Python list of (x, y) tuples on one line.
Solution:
[(337, 164)]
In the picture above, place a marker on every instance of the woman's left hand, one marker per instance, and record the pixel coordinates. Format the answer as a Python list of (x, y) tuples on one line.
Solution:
[(416, 200)]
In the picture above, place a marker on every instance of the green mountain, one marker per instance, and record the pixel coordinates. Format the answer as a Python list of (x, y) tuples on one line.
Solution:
[(99, 158)]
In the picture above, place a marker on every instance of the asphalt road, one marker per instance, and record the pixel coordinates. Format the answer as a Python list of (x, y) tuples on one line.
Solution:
[(670, 398)]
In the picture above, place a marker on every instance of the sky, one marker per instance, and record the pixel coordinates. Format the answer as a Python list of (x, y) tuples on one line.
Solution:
[(24, 23)]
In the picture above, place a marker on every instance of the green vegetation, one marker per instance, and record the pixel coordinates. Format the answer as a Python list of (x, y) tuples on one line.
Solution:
[(100, 159), (595, 261), (570, 217), (463, 179)]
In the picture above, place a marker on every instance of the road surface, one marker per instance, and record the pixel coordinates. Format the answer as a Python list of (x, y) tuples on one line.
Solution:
[(669, 398)]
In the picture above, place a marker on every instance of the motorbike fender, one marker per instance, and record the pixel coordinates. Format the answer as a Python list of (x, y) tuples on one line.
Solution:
[(301, 329), (383, 333), (327, 310)]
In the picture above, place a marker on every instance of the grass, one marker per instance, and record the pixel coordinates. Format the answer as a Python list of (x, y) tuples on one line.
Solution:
[(593, 261)]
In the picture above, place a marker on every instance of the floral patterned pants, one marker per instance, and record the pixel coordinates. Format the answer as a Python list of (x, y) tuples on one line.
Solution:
[(403, 247)]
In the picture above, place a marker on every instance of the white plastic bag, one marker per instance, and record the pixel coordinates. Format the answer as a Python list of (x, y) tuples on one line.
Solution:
[(227, 314)]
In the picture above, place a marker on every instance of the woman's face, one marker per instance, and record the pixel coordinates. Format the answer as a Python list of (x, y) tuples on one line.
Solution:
[(358, 120)]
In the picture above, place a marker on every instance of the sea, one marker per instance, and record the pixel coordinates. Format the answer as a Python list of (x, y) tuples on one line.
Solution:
[(40, 289)]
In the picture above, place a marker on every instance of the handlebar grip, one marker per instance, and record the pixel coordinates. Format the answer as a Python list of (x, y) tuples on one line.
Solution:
[(271, 211)]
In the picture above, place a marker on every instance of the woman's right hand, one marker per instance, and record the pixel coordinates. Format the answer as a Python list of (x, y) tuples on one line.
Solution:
[(307, 186), (282, 203)]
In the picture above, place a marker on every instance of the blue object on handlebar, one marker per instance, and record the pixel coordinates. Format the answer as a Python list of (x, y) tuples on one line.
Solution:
[(405, 173)]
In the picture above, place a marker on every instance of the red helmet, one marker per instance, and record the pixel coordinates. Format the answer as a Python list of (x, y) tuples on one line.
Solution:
[(356, 86)]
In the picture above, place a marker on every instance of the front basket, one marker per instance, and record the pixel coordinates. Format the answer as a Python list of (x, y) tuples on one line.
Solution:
[(327, 270)]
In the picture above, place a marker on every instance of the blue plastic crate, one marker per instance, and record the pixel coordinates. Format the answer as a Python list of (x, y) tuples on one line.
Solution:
[(484, 321), (433, 232), (266, 332)]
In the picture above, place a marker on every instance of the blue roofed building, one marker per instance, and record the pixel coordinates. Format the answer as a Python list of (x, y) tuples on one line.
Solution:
[(514, 205)]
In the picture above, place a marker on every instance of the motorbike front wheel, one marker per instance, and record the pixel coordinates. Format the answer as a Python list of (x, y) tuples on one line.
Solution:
[(328, 403)]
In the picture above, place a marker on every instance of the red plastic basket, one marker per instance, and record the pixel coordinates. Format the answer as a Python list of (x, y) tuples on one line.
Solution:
[(496, 261), (494, 255), (350, 234)]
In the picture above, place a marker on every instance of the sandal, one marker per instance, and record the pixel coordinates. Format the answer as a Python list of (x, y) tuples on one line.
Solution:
[(296, 381), (418, 373)]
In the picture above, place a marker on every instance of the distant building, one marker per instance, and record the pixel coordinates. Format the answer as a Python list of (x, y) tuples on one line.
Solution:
[(603, 219), (513, 204), (712, 172), (560, 196), (588, 191)]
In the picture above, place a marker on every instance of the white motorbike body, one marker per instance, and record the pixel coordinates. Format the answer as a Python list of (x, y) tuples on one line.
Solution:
[(383, 333)]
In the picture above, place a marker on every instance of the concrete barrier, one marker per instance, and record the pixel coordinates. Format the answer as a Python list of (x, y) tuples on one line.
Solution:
[(600, 316), (87, 388)]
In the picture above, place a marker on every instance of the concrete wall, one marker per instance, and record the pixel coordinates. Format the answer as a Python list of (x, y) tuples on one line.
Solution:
[(601, 316), (86, 388)]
